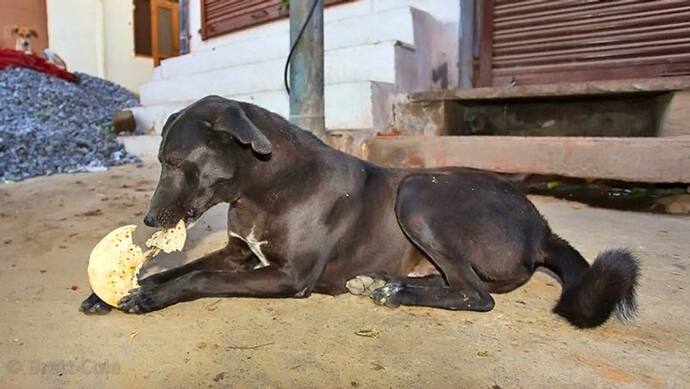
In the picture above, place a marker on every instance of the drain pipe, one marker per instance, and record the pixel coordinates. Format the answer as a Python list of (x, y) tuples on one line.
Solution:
[(466, 62), (184, 26), (306, 67), (101, 67)]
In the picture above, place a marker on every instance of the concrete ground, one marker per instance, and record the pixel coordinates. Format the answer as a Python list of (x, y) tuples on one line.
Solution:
[(49, 225)]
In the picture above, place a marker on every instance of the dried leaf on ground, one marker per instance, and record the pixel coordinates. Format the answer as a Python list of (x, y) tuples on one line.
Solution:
[(368, 333)]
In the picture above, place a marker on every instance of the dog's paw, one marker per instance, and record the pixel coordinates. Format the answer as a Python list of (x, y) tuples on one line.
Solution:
[(93, 305), (388, 295), (364, 285), (139, 300)]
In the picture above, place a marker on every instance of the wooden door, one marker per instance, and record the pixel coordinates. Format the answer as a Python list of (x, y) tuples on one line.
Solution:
[(165, 30)]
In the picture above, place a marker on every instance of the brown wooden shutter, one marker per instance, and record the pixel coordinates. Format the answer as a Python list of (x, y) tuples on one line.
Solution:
[(220, 17), (547, 41)]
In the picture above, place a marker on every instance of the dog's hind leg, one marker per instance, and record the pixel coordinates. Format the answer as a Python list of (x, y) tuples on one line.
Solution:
[(430, 291), (430, 228), (466, 294), (366, 284), (465, 298)]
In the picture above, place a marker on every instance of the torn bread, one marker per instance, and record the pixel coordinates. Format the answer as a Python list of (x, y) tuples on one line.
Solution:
[(115, 261)]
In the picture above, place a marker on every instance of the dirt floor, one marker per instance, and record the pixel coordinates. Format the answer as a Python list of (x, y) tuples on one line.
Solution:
[(49, 225)]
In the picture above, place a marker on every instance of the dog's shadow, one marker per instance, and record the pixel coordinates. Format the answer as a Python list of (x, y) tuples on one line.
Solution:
[(207, 235)]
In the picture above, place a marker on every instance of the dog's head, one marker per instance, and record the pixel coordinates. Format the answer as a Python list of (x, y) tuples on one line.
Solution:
[(24, 35), (203, 149)]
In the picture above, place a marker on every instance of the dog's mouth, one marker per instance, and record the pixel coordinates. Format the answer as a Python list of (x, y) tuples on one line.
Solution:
[(168, 218)]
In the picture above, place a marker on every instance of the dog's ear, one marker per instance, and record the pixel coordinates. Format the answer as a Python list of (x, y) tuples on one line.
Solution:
[(168, 123), (15, 30), (33, 33), (234, 121)]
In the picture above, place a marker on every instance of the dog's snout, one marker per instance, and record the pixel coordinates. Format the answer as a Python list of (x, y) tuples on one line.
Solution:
[(150, 220)]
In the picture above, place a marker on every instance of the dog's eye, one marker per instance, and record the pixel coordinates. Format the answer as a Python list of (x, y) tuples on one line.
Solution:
[(177, 164)]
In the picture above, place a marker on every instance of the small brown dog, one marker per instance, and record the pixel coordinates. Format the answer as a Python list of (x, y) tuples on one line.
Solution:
[(24, 35)]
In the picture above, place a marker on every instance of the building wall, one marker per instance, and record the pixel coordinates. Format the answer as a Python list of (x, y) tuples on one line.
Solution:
[(122, 65), (23, 13), (97, 37), (72, 33)]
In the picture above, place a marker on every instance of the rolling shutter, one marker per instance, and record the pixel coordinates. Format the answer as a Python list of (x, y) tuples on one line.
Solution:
[(546, 41), (220, 17)]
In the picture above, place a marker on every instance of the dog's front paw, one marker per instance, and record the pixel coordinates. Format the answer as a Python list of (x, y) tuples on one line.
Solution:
[(388, 294), (140, 300), (93, 305)]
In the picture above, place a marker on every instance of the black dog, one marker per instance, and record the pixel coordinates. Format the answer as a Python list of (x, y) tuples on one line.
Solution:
[(307, 218)]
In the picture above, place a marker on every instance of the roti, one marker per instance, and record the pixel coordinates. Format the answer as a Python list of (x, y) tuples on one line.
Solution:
[(169, 240), (115, 261)]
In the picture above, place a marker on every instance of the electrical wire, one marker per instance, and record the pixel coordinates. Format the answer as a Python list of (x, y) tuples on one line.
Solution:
[(294, 45)]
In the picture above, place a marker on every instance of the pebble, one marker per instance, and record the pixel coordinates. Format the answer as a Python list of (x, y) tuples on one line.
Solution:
[(49, 125)]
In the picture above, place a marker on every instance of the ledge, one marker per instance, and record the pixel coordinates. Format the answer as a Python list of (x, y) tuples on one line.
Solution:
[(649, 85)]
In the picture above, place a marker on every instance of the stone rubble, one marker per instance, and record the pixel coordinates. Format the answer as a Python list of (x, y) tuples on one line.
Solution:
[(49, 125)]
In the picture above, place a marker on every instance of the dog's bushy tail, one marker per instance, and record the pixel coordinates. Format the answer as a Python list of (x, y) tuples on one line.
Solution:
[(591, 293)]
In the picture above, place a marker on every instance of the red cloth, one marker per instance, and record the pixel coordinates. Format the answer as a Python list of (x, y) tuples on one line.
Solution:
[(9, 57)]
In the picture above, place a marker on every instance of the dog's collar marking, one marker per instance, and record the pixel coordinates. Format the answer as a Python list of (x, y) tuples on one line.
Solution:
[(254, 246)]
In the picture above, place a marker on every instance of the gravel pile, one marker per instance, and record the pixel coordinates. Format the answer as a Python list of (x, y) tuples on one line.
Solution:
[(49, 125)]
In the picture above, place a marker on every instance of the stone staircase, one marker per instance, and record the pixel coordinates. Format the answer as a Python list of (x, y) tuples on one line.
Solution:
[(628, 130), (651, 160), (368, 59), (378, 79)]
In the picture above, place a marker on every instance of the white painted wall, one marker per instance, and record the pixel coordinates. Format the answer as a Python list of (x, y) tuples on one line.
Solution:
[(72, 31), (97, 37), (122, 65)]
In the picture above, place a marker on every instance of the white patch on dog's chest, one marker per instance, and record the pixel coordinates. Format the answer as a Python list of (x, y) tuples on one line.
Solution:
[(254, 245)]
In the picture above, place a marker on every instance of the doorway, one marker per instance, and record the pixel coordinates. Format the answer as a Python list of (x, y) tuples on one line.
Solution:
[(157, 29)]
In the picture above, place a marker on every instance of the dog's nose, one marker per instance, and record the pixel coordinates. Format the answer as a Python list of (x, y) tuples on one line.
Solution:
[(150, 220)]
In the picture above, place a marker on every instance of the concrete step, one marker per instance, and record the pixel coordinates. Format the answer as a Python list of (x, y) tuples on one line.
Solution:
[(393, 25), (627, 159), (143, 146), (357, 105), (369, 56), (618, 108), (563, 89), (372, 62)]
